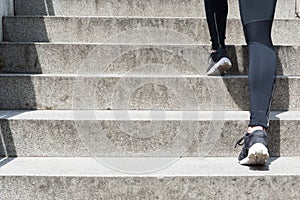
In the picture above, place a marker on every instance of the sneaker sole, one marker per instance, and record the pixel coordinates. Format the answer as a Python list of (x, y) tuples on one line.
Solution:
[(257, 155), (220, 67)]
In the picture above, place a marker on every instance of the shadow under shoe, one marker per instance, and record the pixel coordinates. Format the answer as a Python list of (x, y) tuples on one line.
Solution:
[(219, 63), (255, 148)]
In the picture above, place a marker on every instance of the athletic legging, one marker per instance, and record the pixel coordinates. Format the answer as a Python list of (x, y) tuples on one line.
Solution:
[(257, 18), (216, 16)]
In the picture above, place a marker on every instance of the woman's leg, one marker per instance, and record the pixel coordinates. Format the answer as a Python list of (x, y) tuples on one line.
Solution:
[(221, 20), (210, 11), (216, 15), (257, 18)]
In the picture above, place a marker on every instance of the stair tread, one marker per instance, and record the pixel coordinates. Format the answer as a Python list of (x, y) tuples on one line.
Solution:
[(183, 167), (133, 17), (131, 29), (139, 115), (285, 8), (138, 75)]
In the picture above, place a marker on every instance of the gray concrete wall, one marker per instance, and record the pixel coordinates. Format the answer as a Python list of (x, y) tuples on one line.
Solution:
[(6, 8)]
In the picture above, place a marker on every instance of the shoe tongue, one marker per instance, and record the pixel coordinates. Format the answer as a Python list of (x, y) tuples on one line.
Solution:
[(214, 56), (246, 137)]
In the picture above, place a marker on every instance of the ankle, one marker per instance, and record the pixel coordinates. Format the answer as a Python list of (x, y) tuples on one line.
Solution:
[(251, 129)]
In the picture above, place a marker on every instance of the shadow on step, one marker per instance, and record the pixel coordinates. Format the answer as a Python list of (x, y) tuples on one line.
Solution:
[(18, 63), (38, 7), (264, 167), (5, 160), (19, 57), (17, 93), (7, 145)]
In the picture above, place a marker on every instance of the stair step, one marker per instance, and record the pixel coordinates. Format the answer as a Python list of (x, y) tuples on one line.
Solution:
[(164, 92), (109, 100), (68, 58), (174, 8), (74, 133), (162, 30), (186, 178)]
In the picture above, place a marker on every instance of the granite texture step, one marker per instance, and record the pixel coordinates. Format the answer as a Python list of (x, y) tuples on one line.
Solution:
[(169, 8), (74, 133), (188, 178), (68, 58), (163, 30), (67, 153), (164, 92)]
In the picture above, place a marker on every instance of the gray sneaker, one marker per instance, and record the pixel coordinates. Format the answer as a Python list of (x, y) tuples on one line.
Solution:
[(219, 63)]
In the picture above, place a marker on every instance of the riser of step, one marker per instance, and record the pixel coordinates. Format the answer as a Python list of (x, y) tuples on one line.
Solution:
[(217, 178), (52, 92), (176, 8), (129, 59), (138, 133), (133, 30)]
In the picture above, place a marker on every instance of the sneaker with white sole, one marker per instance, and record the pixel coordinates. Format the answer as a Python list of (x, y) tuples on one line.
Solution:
[(219, 63), (255, 148)]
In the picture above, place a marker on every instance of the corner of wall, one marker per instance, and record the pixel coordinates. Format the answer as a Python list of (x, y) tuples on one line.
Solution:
[(297, 8), (6, 9)]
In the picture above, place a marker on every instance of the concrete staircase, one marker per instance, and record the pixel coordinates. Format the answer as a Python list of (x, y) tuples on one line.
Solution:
[(109, 100)]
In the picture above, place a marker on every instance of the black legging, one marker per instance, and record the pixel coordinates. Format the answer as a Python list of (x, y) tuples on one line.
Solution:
[(216, 15), (257, 18)]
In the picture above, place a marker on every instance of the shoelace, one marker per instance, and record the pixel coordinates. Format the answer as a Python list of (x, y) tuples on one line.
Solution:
[(239, 142), (211, 56)]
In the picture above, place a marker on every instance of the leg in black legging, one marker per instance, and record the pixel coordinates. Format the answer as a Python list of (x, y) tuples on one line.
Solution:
[(257, 18), (216, 15), (221, 19)]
